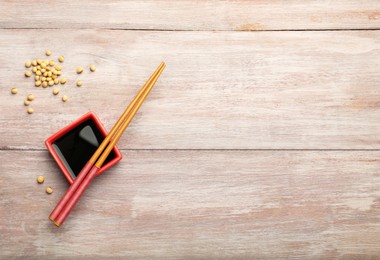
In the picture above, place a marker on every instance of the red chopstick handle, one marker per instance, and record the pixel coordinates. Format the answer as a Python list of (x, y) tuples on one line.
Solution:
[(76, 196), (70, 191)]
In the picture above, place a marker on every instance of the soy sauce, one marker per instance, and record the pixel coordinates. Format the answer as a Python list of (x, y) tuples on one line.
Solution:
[(77, 146)]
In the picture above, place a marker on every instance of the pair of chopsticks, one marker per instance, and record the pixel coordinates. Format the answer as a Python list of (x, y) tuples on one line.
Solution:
[(89, 171)]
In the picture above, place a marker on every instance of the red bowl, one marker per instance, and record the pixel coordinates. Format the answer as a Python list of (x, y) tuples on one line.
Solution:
[(65, 163)]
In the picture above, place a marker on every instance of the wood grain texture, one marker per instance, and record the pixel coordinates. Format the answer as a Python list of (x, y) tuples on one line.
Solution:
[(199, 204), (220, 90), (192, 15), (204, 178)]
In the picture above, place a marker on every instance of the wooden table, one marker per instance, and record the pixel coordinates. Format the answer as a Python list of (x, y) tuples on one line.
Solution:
[(260, 140)]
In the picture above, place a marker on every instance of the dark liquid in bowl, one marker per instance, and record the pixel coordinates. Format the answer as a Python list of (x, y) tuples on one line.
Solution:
[(77, 146)]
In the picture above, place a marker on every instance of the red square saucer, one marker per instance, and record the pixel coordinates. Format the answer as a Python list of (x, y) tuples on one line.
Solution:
[(73, 145)]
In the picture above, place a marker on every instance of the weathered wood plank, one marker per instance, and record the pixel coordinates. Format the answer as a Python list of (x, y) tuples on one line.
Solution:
[(221, 90), (192, 15), (203, 204)]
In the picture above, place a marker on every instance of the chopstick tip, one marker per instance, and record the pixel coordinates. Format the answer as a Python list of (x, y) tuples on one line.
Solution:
[(55, 222)]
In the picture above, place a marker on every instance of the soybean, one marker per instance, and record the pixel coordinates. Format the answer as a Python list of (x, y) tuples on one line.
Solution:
[(49, 190), (65, 98), (28, 63), (14, 91), (26, 102), (61, 59), (30, 97), (40, 179), (92, 68), (56, 91), (30, 110), (79, 83), (79, 70), (48, 52), (63, 81)]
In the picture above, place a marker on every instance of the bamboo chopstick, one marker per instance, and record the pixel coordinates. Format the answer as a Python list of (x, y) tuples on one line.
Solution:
[(89, 171), (97, 153)]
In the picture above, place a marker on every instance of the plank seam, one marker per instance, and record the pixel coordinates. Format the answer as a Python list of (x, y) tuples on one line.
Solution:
[(188, 30)]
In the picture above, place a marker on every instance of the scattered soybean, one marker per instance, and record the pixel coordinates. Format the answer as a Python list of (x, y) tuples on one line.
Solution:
[(49, 190), (79, 70), (40, 179)]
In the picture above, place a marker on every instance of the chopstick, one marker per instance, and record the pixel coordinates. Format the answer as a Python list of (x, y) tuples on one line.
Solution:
[(77, 194), (100, 149), (89, 171)]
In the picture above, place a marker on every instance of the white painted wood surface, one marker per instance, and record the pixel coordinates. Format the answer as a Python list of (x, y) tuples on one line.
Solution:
[(260, 140), (220, 90), (243, 15), (199, 204)]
